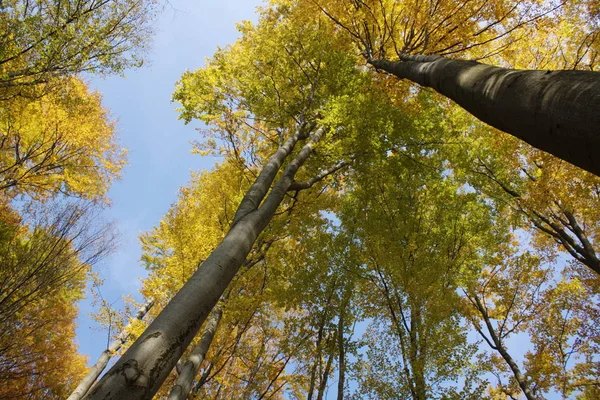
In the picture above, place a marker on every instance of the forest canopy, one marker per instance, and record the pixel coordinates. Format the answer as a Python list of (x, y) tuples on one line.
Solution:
[(404, 205)]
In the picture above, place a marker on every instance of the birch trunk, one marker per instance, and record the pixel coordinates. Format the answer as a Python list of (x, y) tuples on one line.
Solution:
[(190, 368), (143, 368), (106, 355), (555, 111)]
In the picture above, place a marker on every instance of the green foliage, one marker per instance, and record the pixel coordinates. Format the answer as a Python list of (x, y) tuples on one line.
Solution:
[(46, 39)]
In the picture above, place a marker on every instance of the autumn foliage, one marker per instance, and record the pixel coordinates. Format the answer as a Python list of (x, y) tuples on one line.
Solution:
[(360, 236)]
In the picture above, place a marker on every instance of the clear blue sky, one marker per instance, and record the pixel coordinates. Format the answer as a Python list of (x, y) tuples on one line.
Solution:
[(160, 162)]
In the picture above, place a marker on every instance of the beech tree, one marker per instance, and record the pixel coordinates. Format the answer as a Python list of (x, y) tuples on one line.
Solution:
[(277, 82), (552, 110), (414, 256)]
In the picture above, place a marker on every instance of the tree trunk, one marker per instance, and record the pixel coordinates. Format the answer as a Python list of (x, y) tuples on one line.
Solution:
[(341, 355), (190, 368), (140, 372), (555, 111), (500, 348), (106, 355), (325, 377), (417, 355), (313, 371)]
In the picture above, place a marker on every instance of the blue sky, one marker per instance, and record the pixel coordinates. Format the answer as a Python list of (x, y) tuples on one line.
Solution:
[(160, 162)]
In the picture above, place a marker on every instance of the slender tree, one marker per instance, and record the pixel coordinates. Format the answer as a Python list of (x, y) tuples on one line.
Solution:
[(282, 91)]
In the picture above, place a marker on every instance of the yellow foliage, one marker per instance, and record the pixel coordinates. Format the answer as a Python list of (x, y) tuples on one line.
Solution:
[(63, 142)]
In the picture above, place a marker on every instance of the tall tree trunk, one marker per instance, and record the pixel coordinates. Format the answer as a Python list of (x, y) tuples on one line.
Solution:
[(140, 372), (555, 111), (498, 345), (313, 371), (341, 354), (106, 355), (325, 377), (417, 356), (320, 338), (190, 368)]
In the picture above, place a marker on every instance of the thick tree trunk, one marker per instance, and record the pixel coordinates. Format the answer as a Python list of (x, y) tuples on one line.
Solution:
[(190, 368), (140, 372), (555, 111), (106, 355)]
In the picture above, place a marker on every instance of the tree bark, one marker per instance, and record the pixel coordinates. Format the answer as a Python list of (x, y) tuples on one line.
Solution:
[(325, 377), (313, 372), (555, 111), (500, 348), (140, 372), (341, 354), (106, 355), (190, 368)]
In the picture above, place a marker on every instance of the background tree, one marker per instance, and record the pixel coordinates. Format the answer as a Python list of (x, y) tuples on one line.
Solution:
[(44, 270), (49, 39), (62, 143)]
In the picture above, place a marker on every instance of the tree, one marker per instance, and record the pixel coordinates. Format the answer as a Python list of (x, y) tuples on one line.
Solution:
[(44, 270), (277, 83), (559, 208), (507, 298), (415, 254), (552, 110), (259, 298), (62, 143), (49, 39), (61, 244)]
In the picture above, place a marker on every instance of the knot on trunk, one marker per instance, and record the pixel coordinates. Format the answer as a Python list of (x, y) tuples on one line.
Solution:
[(133, 374)]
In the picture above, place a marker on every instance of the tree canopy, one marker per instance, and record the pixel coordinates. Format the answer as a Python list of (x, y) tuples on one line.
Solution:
[(358, 231)]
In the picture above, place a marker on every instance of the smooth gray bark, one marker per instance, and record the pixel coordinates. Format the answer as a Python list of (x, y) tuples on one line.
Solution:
[(190, 368), (555, 111), (106, 355), (140, 372)]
